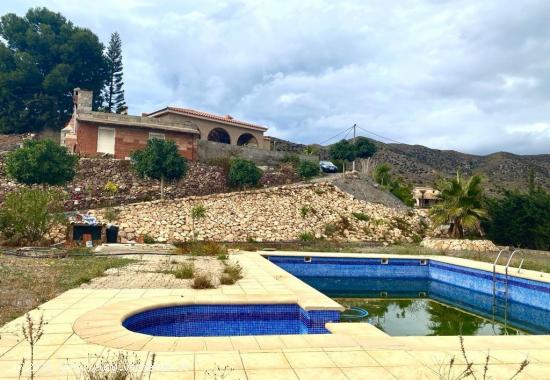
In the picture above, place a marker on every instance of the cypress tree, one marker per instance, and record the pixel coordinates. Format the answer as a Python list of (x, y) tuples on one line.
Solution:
[(113, 94)]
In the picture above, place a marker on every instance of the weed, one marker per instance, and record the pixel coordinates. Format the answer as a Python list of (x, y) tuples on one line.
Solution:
[(110, 214), (446, 372), (306, 236), (330, 229), (361, 216), (222, 256), (118, 368), (32, 332), (148, 239), (202, 248), (184, 271), (304, 210), (202, 281), (234, 271), (225, 279), (218, 373)]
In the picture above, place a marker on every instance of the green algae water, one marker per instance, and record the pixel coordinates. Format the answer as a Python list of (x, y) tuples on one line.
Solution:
[(421, 317)]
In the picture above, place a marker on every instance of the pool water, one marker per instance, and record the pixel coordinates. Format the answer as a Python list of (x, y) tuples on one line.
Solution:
[(422, 317), (418, 307)]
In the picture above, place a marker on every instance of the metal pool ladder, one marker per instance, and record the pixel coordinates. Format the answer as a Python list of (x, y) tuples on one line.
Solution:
[(500, 286)]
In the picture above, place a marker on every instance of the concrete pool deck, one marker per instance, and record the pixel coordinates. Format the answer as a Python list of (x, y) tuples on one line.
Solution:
[(84, 324)]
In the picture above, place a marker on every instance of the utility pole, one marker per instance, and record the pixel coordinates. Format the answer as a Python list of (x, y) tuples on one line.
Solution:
[(353, 168)]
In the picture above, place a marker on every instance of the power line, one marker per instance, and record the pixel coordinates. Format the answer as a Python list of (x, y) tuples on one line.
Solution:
[(344, 131), (377, 135)]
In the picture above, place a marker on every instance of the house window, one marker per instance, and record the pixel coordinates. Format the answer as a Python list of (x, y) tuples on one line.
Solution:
[(156, 135)]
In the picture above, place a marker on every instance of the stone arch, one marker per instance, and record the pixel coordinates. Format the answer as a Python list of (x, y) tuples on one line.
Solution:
[(219, 135), (247, 139)]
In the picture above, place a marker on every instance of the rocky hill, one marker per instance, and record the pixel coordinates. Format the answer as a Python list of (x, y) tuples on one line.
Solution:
[(421, 165)]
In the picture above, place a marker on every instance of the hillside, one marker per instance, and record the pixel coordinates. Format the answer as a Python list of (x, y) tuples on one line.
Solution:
[(421, 165)]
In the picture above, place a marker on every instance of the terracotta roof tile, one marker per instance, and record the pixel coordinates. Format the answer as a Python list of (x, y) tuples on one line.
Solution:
[(211, 116)]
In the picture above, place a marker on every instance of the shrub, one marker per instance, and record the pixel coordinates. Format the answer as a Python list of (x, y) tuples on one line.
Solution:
[(402, 191), (361, 216), (148, 239), (111, 187), (225, 279), (308, 169), (292, 159), (222, 257), (161, 160), (244, 174), (41, 162), (28, 214), (304, 210), (184, 271), (306, 236), (520, 219), (202, 281)]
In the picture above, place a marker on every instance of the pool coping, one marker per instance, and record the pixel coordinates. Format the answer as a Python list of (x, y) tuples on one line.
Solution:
[(103, 325)]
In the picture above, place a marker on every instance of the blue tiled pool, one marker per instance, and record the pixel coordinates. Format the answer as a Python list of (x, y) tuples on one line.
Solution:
[(455, 292), (227, 320)]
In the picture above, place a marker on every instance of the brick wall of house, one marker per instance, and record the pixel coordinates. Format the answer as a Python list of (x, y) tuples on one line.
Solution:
[(129, 139)]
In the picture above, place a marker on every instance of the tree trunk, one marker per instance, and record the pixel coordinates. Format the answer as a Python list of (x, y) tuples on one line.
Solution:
[(162, 187)]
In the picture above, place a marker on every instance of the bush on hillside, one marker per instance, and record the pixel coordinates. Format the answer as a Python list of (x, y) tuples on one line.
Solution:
[(520, 219), (308, 169), (244, 174), (28, 214), (41, 162)]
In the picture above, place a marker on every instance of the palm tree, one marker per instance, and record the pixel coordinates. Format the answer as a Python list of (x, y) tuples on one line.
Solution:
[(460, 204)]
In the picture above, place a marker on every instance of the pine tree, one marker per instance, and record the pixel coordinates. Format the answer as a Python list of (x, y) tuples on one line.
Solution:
[(113, 94)]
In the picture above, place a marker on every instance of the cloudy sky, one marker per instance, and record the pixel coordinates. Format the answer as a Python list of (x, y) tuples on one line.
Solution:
[(468, 75)]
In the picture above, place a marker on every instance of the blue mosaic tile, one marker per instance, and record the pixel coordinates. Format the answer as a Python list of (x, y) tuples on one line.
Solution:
[(230, 320)]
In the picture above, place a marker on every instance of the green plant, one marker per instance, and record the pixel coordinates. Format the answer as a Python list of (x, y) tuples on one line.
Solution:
[(330, 229), (110, 187), (113, 93), (402, 191), (161, 160), (202, 281), (520, 219), (48, 56), (304, 210), (222, 257), (197, 212), (28, 214), (148, 239), (292, 159), (244, 174), (225, 279), (348, 150), (184, 271), (233, 270), (43, 162), (361, 216), (308, 169), (382, 174), (460, 203), (306, 236), (110, 214)]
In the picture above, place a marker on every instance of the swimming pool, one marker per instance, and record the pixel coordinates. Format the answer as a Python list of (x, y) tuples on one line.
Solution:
[(431, 297), (230, 320)]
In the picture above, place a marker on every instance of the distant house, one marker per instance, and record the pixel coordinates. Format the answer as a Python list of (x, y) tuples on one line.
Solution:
[(89, 132), (221, 129), (425, 196)]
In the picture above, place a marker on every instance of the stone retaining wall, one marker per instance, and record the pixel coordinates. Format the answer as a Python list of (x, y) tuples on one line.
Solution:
[(274, 214), (459, 245)]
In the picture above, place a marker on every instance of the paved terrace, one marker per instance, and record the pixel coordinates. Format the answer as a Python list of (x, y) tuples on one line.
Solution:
[(84, 324)]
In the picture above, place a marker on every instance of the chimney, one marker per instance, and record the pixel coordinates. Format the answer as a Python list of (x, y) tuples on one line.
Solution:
[(82, 100)]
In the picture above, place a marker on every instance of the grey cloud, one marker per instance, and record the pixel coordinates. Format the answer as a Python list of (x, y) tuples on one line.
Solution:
[(459, 74)]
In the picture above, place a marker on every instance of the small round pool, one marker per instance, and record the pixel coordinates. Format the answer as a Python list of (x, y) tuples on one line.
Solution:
[(227, 320)]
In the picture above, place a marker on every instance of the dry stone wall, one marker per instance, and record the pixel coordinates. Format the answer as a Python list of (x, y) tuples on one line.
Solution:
[(459, 245), (274, 214)]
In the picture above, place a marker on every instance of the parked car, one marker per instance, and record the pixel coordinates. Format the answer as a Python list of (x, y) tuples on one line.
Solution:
[(327, 167)]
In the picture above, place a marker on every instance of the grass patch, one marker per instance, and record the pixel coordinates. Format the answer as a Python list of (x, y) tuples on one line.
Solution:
[(25, 283), (202, 281), (306, 236), (184, 271), (361, 216), (202, 248)]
